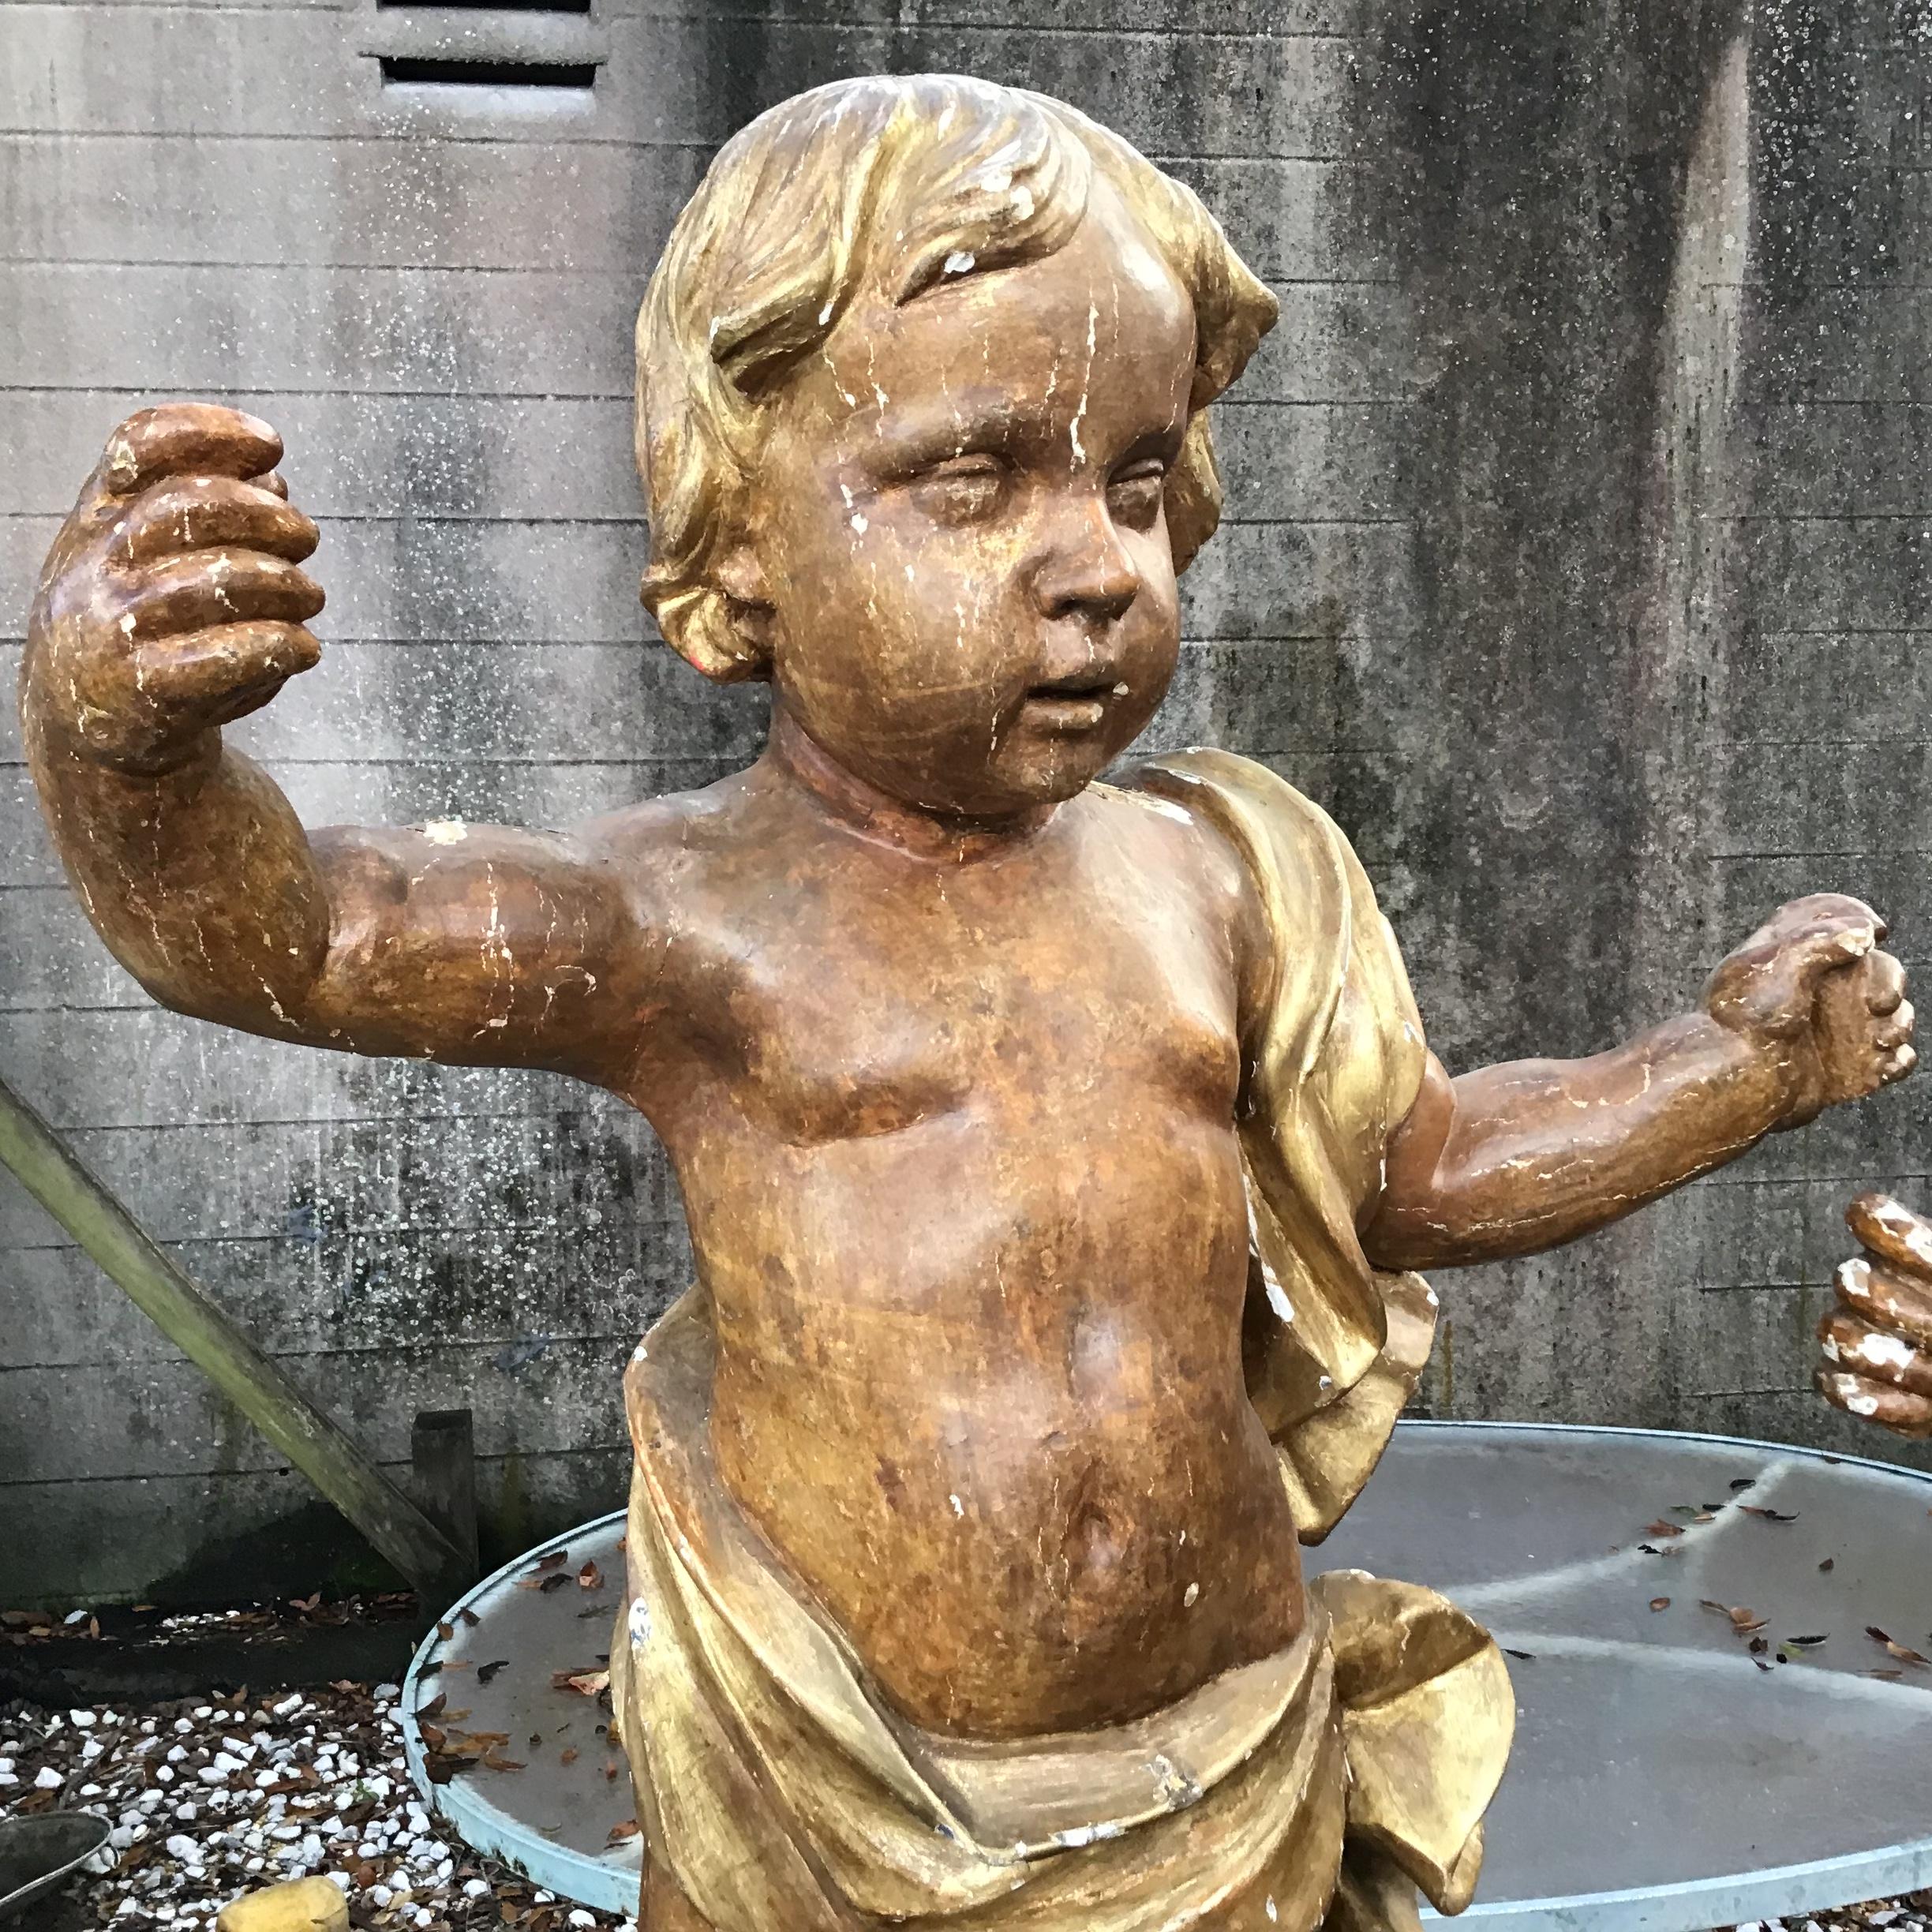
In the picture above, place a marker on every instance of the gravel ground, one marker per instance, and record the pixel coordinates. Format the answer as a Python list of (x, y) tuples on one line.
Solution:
[(210, 1798)]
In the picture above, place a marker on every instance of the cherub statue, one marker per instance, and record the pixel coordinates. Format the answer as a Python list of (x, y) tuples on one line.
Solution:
[(1057, 1152)]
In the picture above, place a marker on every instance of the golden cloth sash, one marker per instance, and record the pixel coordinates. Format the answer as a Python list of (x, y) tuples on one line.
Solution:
[(784, 1797)]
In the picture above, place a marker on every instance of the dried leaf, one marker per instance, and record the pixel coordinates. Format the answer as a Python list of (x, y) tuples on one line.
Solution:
[(1809, 1643), (434, 1707), (1829, 1564), (553, 1560), (619, 1832), (1898, 1650), (1743, 1482), (1759, 1645), (495, 1761), (1711, 1603), (585, 1683), (590, 1577), (469, 1617), (1660, 1528), (1887, 1676), (1769, 1516), (446, 1631), (568, 1755), (1660, 1603), (1527, 1657), (1744, 1620), (486, 1672), (436, 1740)]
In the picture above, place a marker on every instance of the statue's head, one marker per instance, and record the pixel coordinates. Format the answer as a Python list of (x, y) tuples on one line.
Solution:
[(921, 416)]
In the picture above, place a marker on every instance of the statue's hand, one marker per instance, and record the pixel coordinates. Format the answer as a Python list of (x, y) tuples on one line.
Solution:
[(1878, 1341), (170, 602), (1827, 1009)]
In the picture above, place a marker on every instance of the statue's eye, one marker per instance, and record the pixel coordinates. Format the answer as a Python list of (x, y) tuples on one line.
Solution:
[(1134, 497), (962, 489)]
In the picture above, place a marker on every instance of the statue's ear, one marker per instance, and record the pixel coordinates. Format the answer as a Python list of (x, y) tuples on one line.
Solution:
[(722, 626)]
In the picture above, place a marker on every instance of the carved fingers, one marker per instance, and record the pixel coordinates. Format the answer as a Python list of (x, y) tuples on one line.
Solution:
[(1828, 1006), (1878, 1340), (173, 600)]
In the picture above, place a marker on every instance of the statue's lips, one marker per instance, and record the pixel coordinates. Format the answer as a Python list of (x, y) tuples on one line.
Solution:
[(1072, 704)]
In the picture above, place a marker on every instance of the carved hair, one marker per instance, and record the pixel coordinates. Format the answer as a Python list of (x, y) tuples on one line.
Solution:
[(889, 181)]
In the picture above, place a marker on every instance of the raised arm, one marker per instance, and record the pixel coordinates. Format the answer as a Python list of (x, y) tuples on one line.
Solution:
[(172, 603), (1511, 1160)]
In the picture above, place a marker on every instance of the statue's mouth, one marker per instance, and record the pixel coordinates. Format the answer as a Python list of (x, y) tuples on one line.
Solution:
[(1075, 703)]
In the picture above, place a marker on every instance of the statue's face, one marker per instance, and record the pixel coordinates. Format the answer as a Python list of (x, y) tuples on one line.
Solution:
[(959, 535)]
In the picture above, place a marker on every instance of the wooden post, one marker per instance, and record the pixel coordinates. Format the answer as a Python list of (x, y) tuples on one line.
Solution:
[(431, 1560), (443, 1453)]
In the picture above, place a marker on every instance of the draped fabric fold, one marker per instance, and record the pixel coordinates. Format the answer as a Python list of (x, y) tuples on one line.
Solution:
[(783, 1795), (1332, 1345)]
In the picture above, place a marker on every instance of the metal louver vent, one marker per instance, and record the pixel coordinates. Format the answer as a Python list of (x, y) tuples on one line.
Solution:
[(502, 43)]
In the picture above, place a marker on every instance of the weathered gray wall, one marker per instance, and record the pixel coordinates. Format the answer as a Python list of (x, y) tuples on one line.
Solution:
[(1576, 558)]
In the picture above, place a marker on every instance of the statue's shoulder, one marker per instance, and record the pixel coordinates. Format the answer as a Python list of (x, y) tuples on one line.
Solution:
[(1270, 824)]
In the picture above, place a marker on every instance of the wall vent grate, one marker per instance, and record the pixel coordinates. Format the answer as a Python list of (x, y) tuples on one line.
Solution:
[(415, 69), (554, 49), (484, 6)]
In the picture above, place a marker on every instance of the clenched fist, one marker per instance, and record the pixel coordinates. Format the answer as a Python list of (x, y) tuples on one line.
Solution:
[(1878, 1341), (1826, 1008), (171, 601)]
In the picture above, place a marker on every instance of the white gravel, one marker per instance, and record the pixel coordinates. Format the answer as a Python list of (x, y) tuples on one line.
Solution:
[(208, 1799)]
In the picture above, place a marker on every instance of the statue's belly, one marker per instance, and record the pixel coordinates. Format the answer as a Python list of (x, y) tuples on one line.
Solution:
[(1005, 1439)]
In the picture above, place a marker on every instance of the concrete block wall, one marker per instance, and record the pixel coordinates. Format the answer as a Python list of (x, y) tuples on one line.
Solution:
[(1574, 559)]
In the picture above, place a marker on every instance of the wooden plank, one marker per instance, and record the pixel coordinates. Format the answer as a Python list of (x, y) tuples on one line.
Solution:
[(443, 1477), (236, 1372)]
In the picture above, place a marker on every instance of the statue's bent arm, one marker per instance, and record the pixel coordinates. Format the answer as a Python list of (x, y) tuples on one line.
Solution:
[(1515, 1158), (173, 603)]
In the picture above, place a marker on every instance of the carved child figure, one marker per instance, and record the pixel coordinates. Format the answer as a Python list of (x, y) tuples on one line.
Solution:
[(1053, 1151)]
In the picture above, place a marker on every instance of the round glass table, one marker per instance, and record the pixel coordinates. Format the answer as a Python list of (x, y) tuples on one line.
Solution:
[(1716, 1644)]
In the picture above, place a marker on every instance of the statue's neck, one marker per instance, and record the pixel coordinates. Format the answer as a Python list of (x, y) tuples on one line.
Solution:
[(856, 802)]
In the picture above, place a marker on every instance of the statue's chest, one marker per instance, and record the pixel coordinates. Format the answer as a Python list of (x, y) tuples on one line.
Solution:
[(843, 1027)]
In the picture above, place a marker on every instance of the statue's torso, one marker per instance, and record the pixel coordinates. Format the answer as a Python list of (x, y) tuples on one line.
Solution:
[(957, 1147)]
